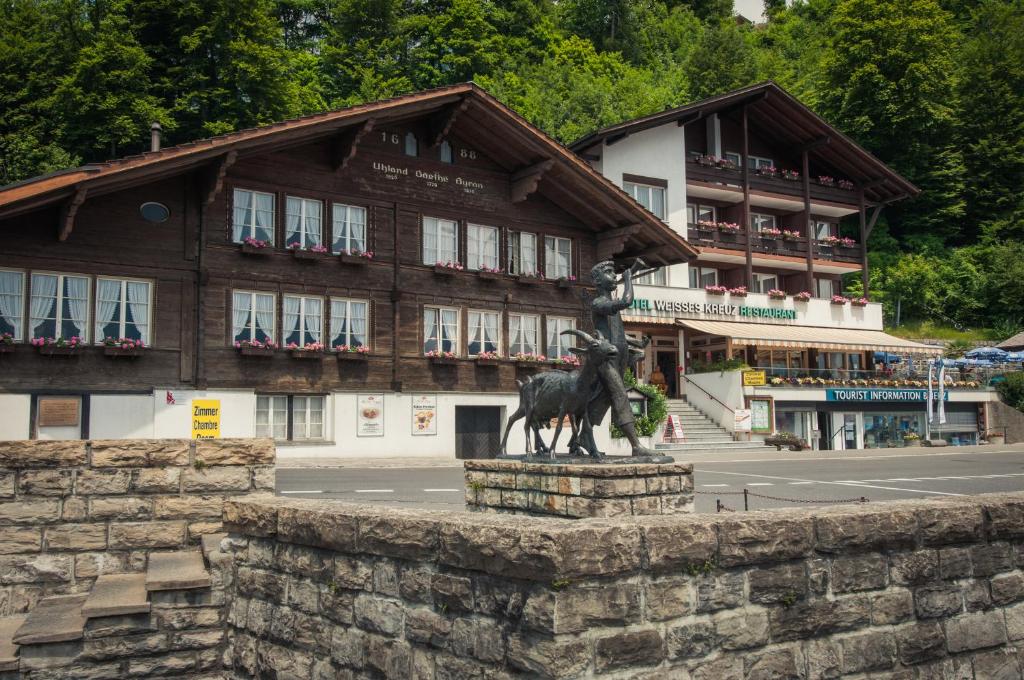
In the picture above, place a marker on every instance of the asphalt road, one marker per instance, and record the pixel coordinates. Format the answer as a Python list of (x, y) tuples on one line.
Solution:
[(877, 476)]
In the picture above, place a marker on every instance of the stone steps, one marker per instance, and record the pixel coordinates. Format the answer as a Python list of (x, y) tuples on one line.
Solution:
[(183, 570), (116, 595), (701, 433), (55, 619)]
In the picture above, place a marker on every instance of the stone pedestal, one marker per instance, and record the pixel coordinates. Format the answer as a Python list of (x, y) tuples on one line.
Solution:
[(575, 491)]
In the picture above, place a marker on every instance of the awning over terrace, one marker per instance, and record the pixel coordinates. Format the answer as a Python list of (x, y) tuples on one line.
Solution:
[(837, 339)]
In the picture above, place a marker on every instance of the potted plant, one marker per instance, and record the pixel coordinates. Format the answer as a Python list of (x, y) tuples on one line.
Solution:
[(355, 256), (859, 301), (255, 246), (771, 233), (790, 175), (730, 228), (122, 347), (826, 181), (441, 358), (311, 350), (528, 278), (716, 290), (803, 296), (447, 268), (523, 359), (566, 362), (567, 281), (310, 254), (486, 359), (847, 242), (706, 225), (776, 294), (255, 348), (57, 346), (845, 184), (768, 170), (790, 235), (738, 291), (839, 300), (351, 352), (6, 343), (911, 439), (996, 437), (489, 273)]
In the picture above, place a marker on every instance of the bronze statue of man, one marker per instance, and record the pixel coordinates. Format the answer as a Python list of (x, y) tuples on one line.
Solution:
[(611, 392)]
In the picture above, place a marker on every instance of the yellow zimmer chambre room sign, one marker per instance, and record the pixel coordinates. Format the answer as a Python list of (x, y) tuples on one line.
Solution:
[(205, 418)]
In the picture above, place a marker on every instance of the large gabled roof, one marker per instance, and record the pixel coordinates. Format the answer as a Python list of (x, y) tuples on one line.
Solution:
[(773, 110), (625, 228)]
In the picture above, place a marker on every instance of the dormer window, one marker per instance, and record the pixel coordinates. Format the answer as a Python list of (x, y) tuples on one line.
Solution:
[(411, 145), (446, 152)]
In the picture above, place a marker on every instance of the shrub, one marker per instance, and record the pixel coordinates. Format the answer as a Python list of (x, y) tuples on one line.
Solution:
[(1012, 390), (657, 408)]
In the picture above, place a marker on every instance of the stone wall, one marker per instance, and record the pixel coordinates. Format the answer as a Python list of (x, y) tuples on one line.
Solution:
[(579, 490), (922, 589), (1002, 415), (73, 510)]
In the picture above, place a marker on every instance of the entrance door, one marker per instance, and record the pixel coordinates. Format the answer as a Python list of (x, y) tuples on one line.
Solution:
[(825, 440), (477, 431), (849, 430), (667, 363)]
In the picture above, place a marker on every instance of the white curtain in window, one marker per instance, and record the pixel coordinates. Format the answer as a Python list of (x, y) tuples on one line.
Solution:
[(138, 306), (528, 253), (265, 217), (290, 320), (449, 329), (243, 214), (44, 299), (530, 327), (312, 316), (357, 228), (311, 222), (240, 309), (108, 300), (490, 331), (339, 322), (11, 300), (357, 324), (447, 241), (265, 316), (430, 240), (293, 221), (515, 340), (76, 290), (430, 330)]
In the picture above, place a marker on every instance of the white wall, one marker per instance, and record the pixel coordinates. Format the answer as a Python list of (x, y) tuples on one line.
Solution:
[(15, 411), (726, 387), (121, 416), (170, 421)]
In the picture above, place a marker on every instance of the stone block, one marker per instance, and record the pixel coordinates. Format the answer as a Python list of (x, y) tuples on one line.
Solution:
[(330, 530), (407, 536), (507, 498), (818, 617), (139, 452), (285, 661), (188, 507), (842, 530), (259, 616), (93, 564), (597, 487), (6, 484), (236, 451), (197, 530), (129, 535), (781, 583), (859, 572), (126, 508), (580, 608), (300, 560), (937, 601), (35, 453), (477, 638), (36, 568), (950, 523), (354, 574), (1005, 518), (774, 663), (175, 664), (691, 640), (507, 480), (727, 668), (720, 591), (185, 619), (873, 651), (74, 509), (955, 563), (629, 650), (663, 484), (975, 631), (427, 627), (741, 630), (1015, 622), (251, 517), (547, 658), (336, 604), (677, 504), (385, 579), (77, 537), (453, 592), (20, 540), (669, 599), (264, 478), (646, 505), (991, 559), (378, 615), (216, 479), (976, 595), (102, 482), (997, 665), (29, 512), (299, 630), (913, 568), (1007, 588), (824, 659), (569, 486), (756, 539), (583, 507), (676, 543), (891, 606), (120, 647), (44, 483)]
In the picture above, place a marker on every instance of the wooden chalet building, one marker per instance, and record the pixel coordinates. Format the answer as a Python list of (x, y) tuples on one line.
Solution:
[(437, 222)]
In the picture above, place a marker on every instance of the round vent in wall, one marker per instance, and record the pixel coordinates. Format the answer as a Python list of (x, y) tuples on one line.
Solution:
[(154, 212)]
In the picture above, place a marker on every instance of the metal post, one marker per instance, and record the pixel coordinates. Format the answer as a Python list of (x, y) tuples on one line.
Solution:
[(746, 502), (718, 505)]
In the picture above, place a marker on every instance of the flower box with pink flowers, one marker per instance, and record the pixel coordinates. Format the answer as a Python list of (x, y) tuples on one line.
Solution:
[(448, 268), (6, 343), (803, 296), (311, 254), (489, 273), (839, 300), (58, 346), (738, 291), (255, 348), (528, 358), (356, 257), (351, 352), (313, 351), (566, 362), (487, 359), (529, 279), (776, 294), (729, 228), (859, 301), (771, 233), (123, 347), (567, 281), (442, 358), (790, 235), (716, 290), (255, 246)]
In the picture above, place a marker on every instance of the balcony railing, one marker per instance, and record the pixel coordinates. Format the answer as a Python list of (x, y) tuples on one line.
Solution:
[(897, 377), (706, 236), (733, 177)]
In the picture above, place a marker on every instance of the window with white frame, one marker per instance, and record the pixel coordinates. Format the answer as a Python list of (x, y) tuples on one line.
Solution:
[(753, 162), (647, 195), (482, 247), (695, 213), (302, 320), (252, 316), (701, 277), (307, 417), (303, 219), (824, 288), (557, 257), (558, 344), (253, 216), (522, 253), (122, 309), (440, 240), (59, 306), (523, 334), (412, 146), (446, 152), (349, 229), (484, 332), (656, 278), (759, 222), (349, 323), (440, 330), (765, 282), (12, 303), (822, 230), (272, 417)]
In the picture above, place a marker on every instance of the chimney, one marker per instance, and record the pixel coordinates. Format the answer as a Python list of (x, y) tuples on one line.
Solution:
[(154, 136)]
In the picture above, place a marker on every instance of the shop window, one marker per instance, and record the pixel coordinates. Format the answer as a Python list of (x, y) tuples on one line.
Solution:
[(59, 306), (759, 222), (446, 152), (650, 197), (349, 229), (349, 323), (122, 309), (522, 253), (482, 247), (440, 240), (558, 344), (765, 282), (306, 420), (252, 316), (484, 331), (412, 146), (303, 218), (302, 320), (557, 257), (12, 303), (701, 277), (253, 216), (522, 334), (440, 330)]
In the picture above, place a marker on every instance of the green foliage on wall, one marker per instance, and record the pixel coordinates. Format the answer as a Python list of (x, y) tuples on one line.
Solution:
[(1012, 390), (657, 408)]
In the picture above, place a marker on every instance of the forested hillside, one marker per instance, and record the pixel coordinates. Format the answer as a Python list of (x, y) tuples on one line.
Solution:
[(934, 88)]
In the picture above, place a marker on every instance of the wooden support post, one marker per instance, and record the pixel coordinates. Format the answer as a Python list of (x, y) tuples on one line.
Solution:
[(215, 176), (346, 145), (68, 210), (862, 214), (808, 225), (746, 201), (441, 123)]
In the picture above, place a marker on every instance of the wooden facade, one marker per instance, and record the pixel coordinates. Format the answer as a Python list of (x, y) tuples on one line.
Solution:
[(502, 173)]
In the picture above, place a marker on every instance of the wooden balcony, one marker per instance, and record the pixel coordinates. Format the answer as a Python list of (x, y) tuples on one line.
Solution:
[(713, 238), (733, 179)]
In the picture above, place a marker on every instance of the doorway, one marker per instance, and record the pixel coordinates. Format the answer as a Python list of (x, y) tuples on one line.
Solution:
[(477, 431), (667, 363)]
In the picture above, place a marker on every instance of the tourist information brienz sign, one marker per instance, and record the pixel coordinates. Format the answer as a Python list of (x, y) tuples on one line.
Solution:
[(644, 306), (880, 394)]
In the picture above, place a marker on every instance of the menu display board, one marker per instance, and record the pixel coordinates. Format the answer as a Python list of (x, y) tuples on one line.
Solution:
[(370, 415), (424, 414), (760, 415)]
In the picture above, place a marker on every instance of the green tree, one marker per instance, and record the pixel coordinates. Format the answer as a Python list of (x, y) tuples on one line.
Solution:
[(723, 60)]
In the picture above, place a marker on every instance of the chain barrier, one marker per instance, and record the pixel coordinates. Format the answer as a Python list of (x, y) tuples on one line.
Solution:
[(747, 494), (722, 507)]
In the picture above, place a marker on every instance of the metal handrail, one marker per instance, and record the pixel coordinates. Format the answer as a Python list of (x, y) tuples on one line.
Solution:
[(690, 382)]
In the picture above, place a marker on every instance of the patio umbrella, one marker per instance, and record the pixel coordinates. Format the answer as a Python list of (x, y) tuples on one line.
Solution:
[(1015, 357), (988, 353)]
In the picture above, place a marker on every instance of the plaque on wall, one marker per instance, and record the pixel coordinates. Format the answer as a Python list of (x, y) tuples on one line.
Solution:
[(59, 411), (370, 415)]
